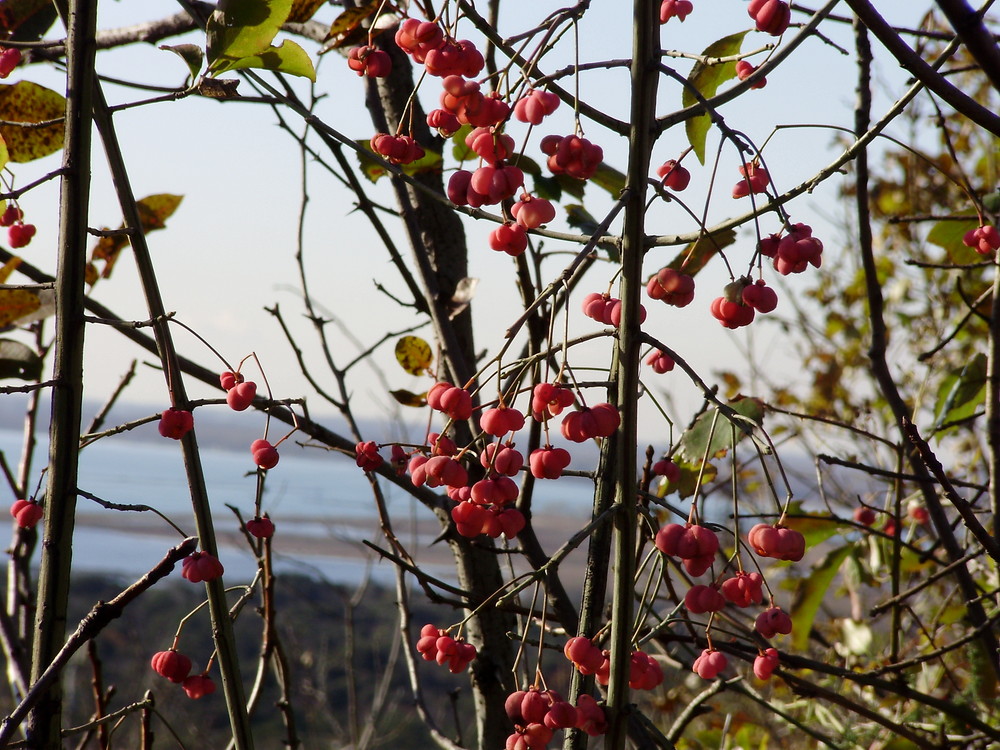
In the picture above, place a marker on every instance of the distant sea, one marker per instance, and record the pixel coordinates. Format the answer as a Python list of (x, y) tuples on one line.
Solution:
[(321, 505)]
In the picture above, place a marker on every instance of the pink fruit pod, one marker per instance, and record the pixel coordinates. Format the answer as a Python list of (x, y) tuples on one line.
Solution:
[(743, 589), (366, 456), (512, 706), (765, 664), (709, 664), (534, 107), (264, 454), (590, 717), (674, 176), (773, 621), (469, 518), (512, 522), (444, 122), (760, 297), (672, 287), (198, 686), (701, 599), (489, 145), (26, 513), (561, 715), (586, 657), (668, 538), (175, 423), (678, 9), (668, 469), (458, 187), (171, 664), (534, 705), (445, 470), (201, 566), (531, 212), (501, 420), (241, 395), (549, 399), (260, 528), (697, 541), (770, 16), (661, 362), (746, 69), (985, 239), (696, 566), (548, 462), (645, 672), (510, 238), (731, 314), (10, 58)]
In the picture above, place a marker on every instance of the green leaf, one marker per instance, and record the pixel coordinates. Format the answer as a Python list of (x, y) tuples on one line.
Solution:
[(571, 186), (949, 234), (579, 218), (695, 255), (609, 178), (991, 201), (287, 57), (239, 29), (19, 361), (694, 443), (190, 54), (962, 392), (811, 593), (548, 188), (690, 472), (706, 79), (460, 150)]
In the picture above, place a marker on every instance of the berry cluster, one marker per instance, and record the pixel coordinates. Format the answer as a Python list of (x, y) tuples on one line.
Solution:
[(437, 645), (695, 545), (741, 300), (599, 420), (606, 309), (794, 252), (19, 234), (985, 239), (572, 155), (538, 714), (176, 667)]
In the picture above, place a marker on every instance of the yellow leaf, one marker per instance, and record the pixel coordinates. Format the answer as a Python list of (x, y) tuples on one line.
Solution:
[(15, 304), (407, 398), (8, 268), (413, 354), (28, 103)]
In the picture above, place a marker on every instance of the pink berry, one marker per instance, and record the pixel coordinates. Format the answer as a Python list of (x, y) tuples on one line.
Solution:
[(171, 664), (201, 566), (264, 454), (20, 234), (26, 513), (261, 528), (175, 423), (10, 58), (674, 176), (198, 686), (241, 395)]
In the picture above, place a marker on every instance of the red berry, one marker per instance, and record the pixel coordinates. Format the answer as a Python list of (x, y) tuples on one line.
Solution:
[(590, 716), (744, 70), (198, 686), (760, 297), (367, 456), (201, 566), (510, 238), (668, 469), (11, 214), (241, 395), (755, 180), (743, 589), (772, 621), (10, 58), (671, 287), (26, 513), (369, 61), (534, 107), (498, 422), (175, 423), (548, 462), (765, 664), (261, 528), (229, 379), (709, 664), (675, 8), (264, 454), (771, 16), (701, 599), (985, 240), (674, 176), (660, 361), (171, 664), (532, 212), (777, 542), (864, 516), (20, 234), (586, 657)]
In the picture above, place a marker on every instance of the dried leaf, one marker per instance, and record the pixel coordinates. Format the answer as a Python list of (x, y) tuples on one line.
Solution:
[(16, 304), (408, 398), (19, 361), (346, 28), (413, 354)]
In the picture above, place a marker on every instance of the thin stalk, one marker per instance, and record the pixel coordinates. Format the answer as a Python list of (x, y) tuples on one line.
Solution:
[(644, 77), (222, 630), (45, 720)]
